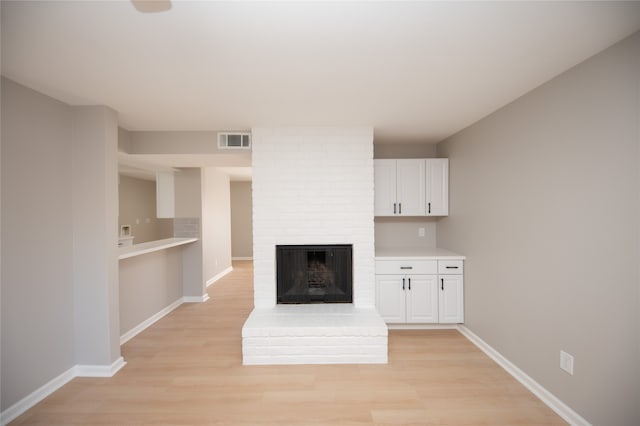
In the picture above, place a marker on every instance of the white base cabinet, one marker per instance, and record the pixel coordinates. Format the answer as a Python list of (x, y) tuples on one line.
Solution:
[(415, 292), (407, 298)]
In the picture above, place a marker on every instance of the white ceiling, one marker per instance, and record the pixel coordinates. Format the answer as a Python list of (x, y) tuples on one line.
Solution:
[(416, 72)]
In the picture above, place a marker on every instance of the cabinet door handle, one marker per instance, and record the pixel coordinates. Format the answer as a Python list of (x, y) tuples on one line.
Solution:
[(442, 283), (399, 208), (429, 204), (406, 267), (409, 283), (394, 208), (452, 267), (403, 283)]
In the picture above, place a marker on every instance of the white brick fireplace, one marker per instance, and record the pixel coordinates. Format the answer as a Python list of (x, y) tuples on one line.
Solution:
[(313, 186)]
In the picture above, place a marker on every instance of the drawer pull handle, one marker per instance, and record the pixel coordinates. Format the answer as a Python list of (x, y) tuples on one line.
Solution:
[(409, 283), (452, 267), (442, 283), (406, 267), (403, 283)]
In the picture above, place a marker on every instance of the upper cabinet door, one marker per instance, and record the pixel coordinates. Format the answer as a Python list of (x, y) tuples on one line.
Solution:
[(384, 172), (410, 187), (437, 184)]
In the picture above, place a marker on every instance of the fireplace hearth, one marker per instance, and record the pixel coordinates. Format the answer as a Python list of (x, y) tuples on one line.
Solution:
[(314, 273)]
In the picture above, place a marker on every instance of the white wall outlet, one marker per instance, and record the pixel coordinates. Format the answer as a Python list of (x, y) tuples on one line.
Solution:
[(137, 221), (566, 362), (420, 232)]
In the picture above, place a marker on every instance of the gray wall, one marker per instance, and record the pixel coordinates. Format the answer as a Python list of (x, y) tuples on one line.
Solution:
[(37, 264), (148, 284), (241, 221), (138, 209), (402, 232), (544, 204), (59, 240), (404, 150), (188, 190), (95, 239), (216, 222)]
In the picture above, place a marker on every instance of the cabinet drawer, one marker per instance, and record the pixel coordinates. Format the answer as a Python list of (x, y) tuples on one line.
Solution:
[(450, 267), (387, 267)]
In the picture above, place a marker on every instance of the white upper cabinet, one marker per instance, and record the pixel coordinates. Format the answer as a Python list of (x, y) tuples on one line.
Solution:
[(437, 184), (411, 187)]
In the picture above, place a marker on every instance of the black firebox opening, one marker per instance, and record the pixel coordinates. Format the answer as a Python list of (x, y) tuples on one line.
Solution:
[(314, 274)]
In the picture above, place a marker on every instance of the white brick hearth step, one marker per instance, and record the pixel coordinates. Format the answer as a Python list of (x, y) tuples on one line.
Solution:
[(314, 334)]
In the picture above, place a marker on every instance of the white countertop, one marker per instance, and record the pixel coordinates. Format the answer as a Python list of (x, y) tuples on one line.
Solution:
[(416, 254), (151, 246)]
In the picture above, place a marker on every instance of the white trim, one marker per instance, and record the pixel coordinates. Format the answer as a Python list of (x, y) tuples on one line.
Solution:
[(100, 370), (422, 326), (53, 385), (218, 276), (195, 299), (36, 396), (149, 321), (242, 258), (562, 409)]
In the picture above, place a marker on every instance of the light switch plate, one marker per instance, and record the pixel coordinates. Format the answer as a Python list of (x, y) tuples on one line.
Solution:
[(566, 362)]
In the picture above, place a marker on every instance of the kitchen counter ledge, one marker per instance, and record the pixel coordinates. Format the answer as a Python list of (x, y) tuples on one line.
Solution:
[(151, 246), (416, 254)]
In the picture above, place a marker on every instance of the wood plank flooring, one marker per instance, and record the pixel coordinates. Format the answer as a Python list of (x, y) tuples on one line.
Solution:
[(187, 370)]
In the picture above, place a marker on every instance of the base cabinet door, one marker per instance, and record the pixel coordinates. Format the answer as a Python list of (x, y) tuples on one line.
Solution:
[(390, 298), (451, 299), (422, 299)]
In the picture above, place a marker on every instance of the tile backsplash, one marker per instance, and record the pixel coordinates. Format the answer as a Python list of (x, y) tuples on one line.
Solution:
[(186, 227)]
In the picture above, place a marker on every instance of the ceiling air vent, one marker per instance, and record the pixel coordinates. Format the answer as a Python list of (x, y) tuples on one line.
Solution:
[(234, 140)]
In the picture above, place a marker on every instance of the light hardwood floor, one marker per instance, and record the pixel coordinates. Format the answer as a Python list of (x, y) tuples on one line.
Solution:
[(187, 369)]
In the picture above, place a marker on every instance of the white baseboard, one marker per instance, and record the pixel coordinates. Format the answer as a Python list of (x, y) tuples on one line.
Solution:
[(53, 385), (36, 396), (149, 321), (242, 258), (553, 402), (422, 326), (195, 299), (218, 276), (100, 370)]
